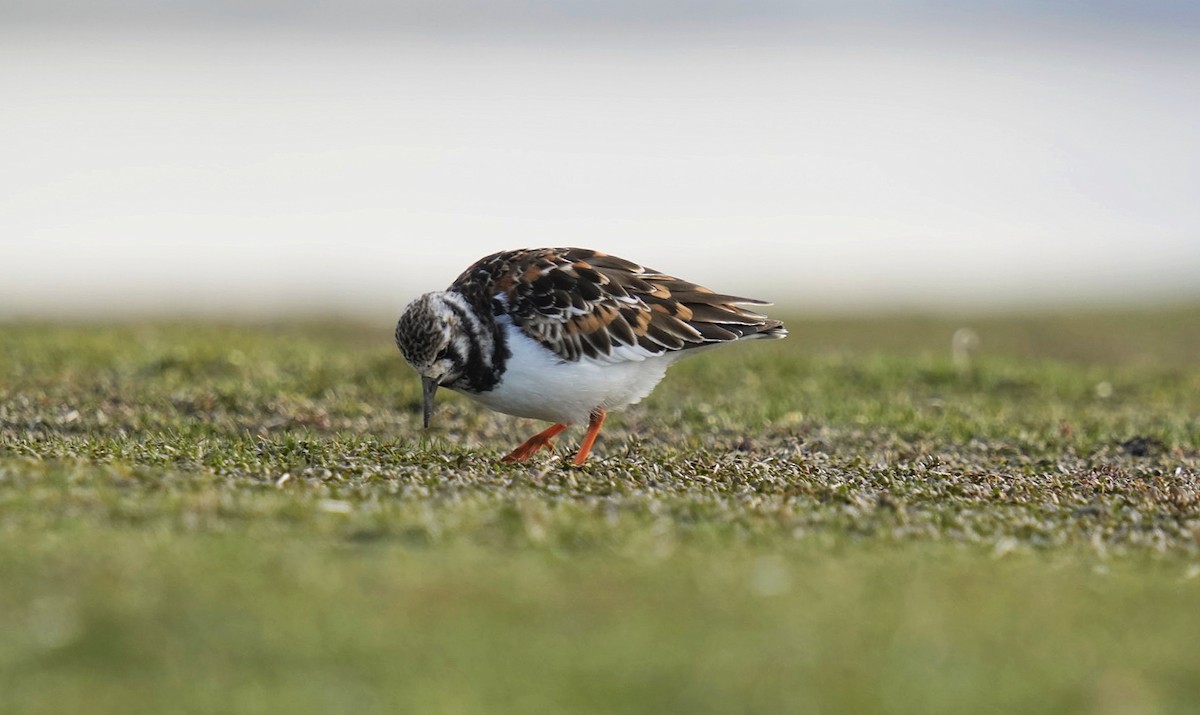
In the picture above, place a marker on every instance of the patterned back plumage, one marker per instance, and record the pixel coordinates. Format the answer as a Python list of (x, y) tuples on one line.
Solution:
[(582, 303)]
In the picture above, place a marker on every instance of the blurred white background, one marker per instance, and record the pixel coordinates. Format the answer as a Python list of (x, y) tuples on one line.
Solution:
[(271, 157)]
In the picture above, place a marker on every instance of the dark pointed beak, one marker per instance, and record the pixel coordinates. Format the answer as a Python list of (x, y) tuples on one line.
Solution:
[(429, 388)]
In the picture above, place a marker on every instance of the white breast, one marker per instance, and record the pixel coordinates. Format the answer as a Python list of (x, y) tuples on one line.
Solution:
[(539, 384)]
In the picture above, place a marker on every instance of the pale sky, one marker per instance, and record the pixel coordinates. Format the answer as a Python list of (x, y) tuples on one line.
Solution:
[(319, 164)]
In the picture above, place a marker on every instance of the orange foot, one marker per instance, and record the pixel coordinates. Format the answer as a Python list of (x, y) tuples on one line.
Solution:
[(594, 424), (533, 444)]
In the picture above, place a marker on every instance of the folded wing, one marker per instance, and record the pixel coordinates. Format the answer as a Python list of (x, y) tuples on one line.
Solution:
[(581, 303)]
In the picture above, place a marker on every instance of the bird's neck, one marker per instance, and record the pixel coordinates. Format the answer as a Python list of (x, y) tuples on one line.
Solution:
[(484, 345)]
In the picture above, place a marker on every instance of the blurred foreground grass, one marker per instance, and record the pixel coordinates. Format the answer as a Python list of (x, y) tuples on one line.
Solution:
[(207, 518)]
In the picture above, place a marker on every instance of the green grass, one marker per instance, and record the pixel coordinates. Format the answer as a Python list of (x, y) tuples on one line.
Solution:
[(198, 517)]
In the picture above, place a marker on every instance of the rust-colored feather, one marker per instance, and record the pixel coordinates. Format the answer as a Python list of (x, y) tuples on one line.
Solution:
[(582, 303)]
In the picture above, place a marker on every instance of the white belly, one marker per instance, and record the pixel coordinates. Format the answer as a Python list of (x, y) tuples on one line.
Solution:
[(538, 384)]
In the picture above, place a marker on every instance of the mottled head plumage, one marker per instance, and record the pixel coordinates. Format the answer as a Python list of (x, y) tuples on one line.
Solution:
[(445, 340), (424, 333)]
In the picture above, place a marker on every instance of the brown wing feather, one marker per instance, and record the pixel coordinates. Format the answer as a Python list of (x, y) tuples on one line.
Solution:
[(583, 303)]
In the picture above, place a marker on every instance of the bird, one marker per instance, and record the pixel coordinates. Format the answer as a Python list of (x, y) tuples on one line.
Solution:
[(564, 335)]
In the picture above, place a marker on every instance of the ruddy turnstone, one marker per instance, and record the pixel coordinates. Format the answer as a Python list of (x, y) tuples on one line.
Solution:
[(564, 335)]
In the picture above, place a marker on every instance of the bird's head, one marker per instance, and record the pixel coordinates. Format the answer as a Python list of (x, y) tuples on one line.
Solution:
[(431, 337)]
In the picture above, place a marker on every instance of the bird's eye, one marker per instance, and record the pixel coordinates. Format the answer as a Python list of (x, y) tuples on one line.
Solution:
[(441, 354)]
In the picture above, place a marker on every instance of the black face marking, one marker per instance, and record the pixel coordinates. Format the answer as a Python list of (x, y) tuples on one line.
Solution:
[(480, 368)]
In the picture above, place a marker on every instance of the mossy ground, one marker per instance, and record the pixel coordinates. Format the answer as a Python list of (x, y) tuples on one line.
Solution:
[(236, 518)]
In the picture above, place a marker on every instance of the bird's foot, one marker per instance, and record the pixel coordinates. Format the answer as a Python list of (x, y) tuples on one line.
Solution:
[(594, 424), (531, 446)]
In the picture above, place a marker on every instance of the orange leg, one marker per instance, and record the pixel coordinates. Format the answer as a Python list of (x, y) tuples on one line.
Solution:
[(590, 438), (530, 446)]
